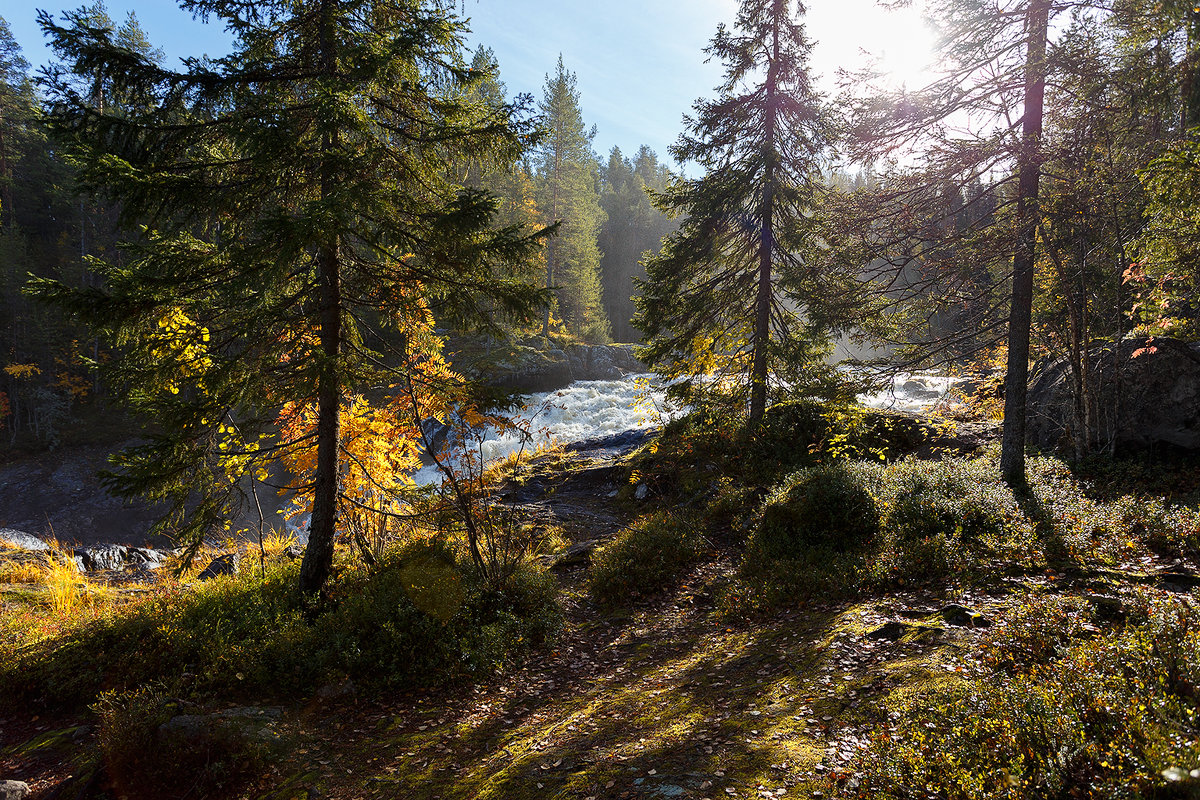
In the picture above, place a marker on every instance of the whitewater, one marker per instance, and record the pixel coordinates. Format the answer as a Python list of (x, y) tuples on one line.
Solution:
[(594, 409)]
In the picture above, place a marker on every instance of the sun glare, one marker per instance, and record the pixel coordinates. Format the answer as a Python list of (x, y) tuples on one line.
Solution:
[(852, 34)]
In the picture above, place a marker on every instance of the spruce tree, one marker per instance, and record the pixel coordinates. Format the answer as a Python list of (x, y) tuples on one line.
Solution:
[(568, 196), (736, 290), (297, 218)]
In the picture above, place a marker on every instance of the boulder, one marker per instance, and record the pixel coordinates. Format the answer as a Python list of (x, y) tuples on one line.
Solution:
[(14, 790), (21, 540), (575, 555), (221, 565), (962, 617), (248, 722), (117, 557), (1146, 393)]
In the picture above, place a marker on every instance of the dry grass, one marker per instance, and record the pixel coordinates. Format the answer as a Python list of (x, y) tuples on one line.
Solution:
[(64, 584), (25, 570)]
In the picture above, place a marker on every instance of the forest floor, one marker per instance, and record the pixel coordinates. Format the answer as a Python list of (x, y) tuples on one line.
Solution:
[(671, 697)]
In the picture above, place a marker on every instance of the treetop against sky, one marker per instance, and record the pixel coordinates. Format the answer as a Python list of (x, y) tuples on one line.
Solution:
[(639, 63)]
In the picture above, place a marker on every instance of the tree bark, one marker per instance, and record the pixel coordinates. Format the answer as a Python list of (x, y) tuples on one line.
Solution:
[(766, 243), (318, 554), (1016, 381)]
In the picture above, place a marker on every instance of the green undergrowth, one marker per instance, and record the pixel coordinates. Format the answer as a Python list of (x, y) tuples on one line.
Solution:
[(143, 757), (836, 530), (1071, 705), (694, 450), (420, 617), (829, 506), (645, 558)]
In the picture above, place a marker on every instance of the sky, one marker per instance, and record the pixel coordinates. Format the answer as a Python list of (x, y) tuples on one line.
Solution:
[(639, 63)]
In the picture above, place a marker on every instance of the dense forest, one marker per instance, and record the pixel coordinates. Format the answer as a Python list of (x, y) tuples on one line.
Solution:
[(289, 291), (54, 226)]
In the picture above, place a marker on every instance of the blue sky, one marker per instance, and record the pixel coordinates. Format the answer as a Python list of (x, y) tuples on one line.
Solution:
[(639, 63)]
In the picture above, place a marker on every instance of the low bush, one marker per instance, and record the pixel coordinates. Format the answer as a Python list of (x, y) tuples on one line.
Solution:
[(833, 530), (945, 518), (825, 506), (421, 616), (1112, 526), (1110, 716), (644, 558)]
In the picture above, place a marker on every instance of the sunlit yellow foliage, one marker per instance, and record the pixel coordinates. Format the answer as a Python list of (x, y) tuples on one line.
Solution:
[(179, 340), (63, 582)]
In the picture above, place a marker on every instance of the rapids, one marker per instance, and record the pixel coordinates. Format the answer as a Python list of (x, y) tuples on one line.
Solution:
[(592, 409)]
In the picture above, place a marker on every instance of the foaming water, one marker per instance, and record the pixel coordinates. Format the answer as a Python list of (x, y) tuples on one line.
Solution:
[(911, 391), (592, 409), (583, 410)]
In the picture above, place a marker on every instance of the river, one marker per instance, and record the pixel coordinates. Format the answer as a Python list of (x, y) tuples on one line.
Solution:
[(592, 409)]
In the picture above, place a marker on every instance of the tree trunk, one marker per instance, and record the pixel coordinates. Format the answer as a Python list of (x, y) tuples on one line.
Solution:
[(1189, 111), (318, 555), (766, 243), (1016, 381)]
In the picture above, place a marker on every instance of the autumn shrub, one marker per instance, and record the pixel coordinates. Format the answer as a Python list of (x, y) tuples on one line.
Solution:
[(421, 617), (1113, 715), (644, 558)]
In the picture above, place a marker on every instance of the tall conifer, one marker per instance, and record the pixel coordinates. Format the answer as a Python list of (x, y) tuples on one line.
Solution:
[(736, 288), (568, 195), (298, 219)]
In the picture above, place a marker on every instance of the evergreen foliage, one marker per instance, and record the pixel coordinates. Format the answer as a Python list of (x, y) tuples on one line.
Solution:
[(737, 290), (567, 181), (632, 228), (299, 232)]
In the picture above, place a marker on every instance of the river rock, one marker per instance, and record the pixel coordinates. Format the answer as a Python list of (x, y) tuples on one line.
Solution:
[(21, 540), (13, 790), (1147, 394), (574, 555), (221, 565), (250, 722), (115, 557)]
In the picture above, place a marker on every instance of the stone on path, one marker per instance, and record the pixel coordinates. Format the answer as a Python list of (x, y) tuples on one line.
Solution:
[(13, 790)]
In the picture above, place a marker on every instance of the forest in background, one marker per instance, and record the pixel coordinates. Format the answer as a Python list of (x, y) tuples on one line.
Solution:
[(50, 228), (776, 592)]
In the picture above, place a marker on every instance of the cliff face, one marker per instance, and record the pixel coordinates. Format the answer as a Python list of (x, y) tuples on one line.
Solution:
[(1145, 396)]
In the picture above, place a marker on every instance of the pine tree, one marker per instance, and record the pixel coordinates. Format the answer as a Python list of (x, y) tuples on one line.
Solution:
[(736, 290), (297, 219), (567, 196), (993, 71)]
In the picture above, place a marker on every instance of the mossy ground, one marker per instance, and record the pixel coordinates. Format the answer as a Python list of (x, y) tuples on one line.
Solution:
[(678, 694)]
